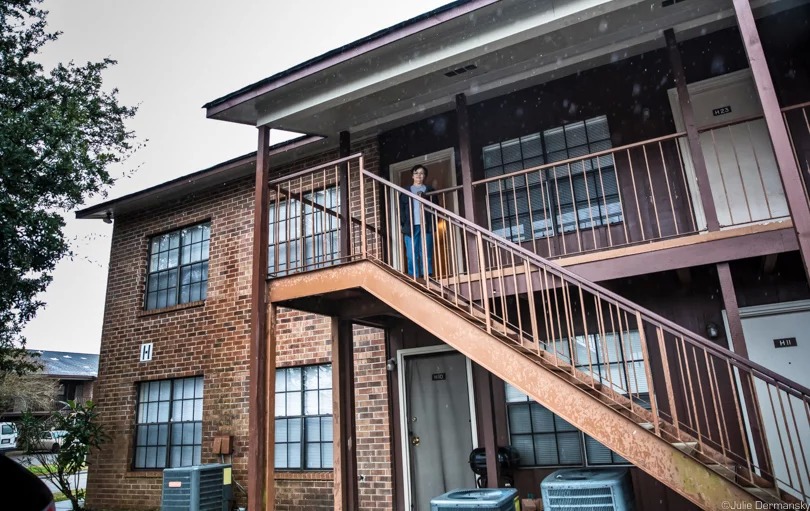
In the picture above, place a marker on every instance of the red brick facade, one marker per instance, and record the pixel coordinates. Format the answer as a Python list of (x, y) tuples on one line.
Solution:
[(211, 338)]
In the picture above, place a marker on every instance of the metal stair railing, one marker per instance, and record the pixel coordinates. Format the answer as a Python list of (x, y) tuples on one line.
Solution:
[(749, 424)]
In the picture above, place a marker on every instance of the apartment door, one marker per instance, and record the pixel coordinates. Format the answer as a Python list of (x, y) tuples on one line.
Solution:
[(441, 168), (743, 174), (777, 337), (438, 424)]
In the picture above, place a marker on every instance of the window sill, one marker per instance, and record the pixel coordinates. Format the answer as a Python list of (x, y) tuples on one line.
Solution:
[(319, 475), (148, 473), (173, 308)]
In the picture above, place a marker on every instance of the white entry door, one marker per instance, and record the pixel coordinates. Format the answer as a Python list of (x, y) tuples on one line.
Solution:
[(743, 174), (778, 337), (438, 424)]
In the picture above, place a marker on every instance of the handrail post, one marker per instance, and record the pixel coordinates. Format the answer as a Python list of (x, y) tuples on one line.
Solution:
[(345, 205), (362, 210)]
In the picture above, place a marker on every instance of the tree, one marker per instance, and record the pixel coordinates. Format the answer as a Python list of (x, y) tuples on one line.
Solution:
[(60, 130), (27, 393), (82, 433)]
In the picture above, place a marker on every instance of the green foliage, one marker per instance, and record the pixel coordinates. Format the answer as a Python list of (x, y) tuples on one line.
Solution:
[(59, 131), (83, 433)]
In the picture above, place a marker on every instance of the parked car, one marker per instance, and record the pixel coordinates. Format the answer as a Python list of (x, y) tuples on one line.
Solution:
[(8, 436), (48, 441)]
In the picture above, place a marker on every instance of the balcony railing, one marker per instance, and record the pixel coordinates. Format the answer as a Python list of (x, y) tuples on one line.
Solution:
[(735, 415), (642, 192)]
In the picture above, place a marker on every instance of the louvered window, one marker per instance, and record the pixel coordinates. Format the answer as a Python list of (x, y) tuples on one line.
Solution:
[(577, 195), (169, 423), (304, 232), (304, 418), (543, 438), (178, 267)]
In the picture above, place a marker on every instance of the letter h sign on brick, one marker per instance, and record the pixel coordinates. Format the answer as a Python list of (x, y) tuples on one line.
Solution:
[(146, 352)]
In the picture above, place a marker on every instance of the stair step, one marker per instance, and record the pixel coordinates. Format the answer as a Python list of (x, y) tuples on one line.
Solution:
[(769, 495), (685, 447), (726, 471)]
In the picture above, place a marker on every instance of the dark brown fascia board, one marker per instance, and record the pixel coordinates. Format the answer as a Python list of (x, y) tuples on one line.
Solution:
[(219, 173), (347, 52), (711, 252)]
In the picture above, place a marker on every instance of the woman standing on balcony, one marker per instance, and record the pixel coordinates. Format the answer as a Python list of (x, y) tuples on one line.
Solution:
[(417, 225)]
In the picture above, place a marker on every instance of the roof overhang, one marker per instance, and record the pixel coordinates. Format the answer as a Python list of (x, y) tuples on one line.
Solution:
[(218, 175), (402, 75)]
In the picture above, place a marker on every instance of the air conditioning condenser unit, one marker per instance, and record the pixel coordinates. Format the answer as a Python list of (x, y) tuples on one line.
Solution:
[(478, 499), (587, 489), (197, 488)]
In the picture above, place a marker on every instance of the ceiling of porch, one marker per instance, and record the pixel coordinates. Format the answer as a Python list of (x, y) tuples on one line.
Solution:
[(504, 47)]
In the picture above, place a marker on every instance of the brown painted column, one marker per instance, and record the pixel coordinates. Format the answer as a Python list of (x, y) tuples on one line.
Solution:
[(261, 495), (344, 450), (483, 396), (788, 170), (345, 206), (692, 135), (465, 155), (737, 343)]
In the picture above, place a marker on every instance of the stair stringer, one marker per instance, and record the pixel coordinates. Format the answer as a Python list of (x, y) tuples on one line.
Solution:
[(661, 460)]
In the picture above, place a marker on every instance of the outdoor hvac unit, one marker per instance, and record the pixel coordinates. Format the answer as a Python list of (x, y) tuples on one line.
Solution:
[(500, 499), (198, 488), (587, 490)]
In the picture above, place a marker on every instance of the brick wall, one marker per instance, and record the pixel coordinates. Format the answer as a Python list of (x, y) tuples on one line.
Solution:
[(212, 339), (209, 339)]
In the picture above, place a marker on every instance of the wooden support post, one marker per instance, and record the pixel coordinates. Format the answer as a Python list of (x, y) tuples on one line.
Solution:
[(788, 170), (345, 206), (465, 155), (482, 382), (692, 136), (261, 495), (737, 344), (346, 494)]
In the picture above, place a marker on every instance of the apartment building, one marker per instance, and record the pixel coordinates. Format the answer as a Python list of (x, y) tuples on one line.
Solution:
[(619, 272)]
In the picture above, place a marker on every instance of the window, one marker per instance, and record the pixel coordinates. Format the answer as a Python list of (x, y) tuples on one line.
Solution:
[(178, 267), (169, 423), (563, 198), (617, 359), (304, 233), (543, 438), (304, 417)]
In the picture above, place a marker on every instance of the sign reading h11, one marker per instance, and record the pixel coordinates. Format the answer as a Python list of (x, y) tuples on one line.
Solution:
[(439, 376), (785, 342), (146, 352)]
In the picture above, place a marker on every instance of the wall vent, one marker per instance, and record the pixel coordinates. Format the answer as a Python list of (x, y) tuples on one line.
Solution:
[(461, 70)]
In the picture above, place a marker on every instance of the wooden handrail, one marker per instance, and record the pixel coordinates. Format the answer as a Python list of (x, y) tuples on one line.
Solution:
[(766, 374), (579, 158)]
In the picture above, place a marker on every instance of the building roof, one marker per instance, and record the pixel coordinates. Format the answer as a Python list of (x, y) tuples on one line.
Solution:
[(227, 171), (68, 364), (345, 50)]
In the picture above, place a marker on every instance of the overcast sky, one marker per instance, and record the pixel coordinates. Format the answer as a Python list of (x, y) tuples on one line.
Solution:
[(174, 56)]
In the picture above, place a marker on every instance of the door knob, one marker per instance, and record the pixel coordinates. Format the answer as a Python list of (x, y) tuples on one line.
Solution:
[(415, 440)]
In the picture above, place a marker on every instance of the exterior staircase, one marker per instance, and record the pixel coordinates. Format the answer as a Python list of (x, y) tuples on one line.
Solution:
[(688, 412)]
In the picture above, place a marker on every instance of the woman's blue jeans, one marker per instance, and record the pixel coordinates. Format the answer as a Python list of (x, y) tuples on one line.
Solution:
[(415, 247)]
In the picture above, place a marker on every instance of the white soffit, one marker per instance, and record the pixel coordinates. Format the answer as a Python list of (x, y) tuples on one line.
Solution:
[(514, 43), (483, 31)]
